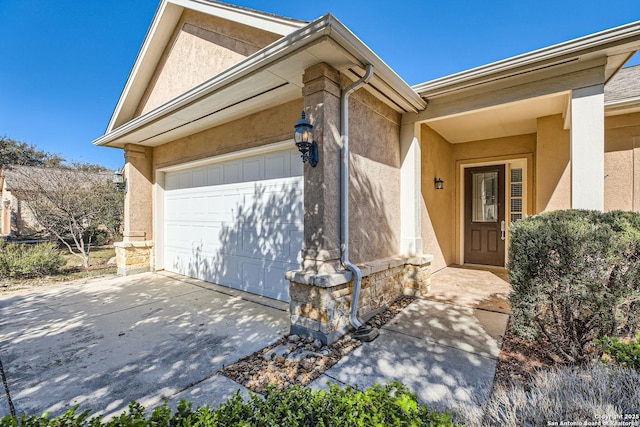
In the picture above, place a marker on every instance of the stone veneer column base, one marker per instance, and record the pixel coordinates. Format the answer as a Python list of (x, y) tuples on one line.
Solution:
[(133, 257), (321, 303)]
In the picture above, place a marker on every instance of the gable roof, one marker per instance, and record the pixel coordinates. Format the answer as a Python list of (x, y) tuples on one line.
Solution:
[(160, 31), (269, 77)]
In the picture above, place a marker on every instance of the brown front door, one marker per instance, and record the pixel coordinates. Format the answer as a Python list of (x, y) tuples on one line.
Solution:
[(484, 215)]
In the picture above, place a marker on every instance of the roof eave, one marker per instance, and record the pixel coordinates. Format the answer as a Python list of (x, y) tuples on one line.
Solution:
[(530, 60)]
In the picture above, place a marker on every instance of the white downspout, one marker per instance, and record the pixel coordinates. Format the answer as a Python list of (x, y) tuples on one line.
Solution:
[(344, 194)]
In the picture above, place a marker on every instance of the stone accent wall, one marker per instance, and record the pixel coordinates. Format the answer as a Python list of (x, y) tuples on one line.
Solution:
[(133, 257), (320, 304)]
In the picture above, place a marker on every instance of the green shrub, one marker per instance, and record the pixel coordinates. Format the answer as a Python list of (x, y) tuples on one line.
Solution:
[(391, 405), (575, 277), (26, 261), (625, 354)]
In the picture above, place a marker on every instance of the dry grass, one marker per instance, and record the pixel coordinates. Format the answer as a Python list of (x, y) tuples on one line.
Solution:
[(570, 394)]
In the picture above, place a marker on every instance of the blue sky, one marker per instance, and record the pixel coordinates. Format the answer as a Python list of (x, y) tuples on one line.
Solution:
[(64, 63)]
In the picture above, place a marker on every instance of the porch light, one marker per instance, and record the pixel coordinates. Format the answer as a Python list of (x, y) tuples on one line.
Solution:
[(439, 183), (303, 137)]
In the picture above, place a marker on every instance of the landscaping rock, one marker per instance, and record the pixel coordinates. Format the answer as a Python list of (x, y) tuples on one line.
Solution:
[(295, 360)]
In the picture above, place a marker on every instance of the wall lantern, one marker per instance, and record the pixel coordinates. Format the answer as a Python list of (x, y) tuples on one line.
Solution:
[(439, 183), (119, 181), (303, 137)]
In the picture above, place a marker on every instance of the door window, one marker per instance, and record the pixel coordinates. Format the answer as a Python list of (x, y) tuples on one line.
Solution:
[(485, 197)]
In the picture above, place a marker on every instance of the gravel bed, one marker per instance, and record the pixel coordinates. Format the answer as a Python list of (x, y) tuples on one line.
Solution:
[(296, 360)]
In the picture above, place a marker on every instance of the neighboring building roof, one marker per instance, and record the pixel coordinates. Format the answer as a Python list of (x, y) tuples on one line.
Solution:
[(624, 85), (14, 175)]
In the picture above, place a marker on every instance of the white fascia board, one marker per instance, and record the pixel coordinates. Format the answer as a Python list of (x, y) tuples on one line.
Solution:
[(253, 18), (326, 26), (559, 52), (160, 30), (630, 105)]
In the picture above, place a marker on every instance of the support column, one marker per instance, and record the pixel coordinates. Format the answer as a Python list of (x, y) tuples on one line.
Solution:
[(134, 253), (322, 184), (410, 190), (587, 148)]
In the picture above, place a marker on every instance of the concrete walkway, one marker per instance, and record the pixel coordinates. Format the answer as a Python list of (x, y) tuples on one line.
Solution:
[(153, 337), (147, 337), (445, 353)]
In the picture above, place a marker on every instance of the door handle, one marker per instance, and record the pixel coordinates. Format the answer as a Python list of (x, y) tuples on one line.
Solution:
[(502, 230)]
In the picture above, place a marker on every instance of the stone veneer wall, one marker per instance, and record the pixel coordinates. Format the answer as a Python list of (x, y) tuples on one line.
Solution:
[(134, 257), (320, 304)]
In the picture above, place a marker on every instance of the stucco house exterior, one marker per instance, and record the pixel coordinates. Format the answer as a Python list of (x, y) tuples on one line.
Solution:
[(409, 179)]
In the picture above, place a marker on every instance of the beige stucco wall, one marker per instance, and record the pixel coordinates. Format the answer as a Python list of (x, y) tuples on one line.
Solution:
[(622, 162), (265, 127), (374, 191), (553, 166), (202, 46), (438, 216)]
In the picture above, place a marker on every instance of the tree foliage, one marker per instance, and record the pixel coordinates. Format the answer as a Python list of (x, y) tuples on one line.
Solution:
[(73, 205), (14, 152)]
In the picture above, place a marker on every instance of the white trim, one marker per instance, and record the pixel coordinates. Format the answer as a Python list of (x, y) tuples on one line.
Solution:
[(254, 151), (587, 148), (625, 106), (160, 174), (253, 18), (410, 191), (508, 164), (159, 32)]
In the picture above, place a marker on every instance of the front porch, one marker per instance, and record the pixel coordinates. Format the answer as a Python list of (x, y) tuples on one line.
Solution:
[(484, 288)]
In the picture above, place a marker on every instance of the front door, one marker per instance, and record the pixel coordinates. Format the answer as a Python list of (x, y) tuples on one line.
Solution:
[(484, 215)]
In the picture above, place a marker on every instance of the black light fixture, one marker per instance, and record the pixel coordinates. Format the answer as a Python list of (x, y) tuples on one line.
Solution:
[(303, 137), (439, 183)]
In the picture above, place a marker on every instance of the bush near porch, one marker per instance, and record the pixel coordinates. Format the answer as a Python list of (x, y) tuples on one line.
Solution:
[(576, 279)]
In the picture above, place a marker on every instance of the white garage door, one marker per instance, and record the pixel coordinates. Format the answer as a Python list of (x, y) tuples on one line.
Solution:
[(238, 223)]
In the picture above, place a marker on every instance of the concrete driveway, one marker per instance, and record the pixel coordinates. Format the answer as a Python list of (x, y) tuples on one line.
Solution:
[(148, 337)]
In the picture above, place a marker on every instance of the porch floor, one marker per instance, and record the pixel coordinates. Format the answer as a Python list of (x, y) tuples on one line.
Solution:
[(485, 288)]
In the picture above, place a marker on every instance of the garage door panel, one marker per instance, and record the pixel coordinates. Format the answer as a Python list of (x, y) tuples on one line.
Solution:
[(252, 276), (237, 223), (252, 170), (215, 175), (271, 275), (232, 173)]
